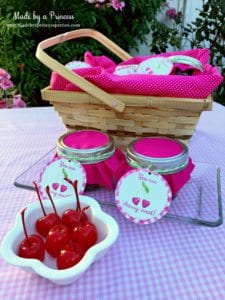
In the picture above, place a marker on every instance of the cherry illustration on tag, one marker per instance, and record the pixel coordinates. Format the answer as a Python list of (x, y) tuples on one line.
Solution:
[(145, 203), (143, 197), (54, 174), (136, 200), (55, 185), (63, 188)]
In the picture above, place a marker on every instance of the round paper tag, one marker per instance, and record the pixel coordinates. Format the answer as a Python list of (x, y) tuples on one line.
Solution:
[(187, 60), (155, 66), (143, 196), (126, 70), (77, 65), (54, 173)]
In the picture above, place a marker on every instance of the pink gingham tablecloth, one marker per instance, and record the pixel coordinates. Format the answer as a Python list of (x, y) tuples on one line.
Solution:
[(165, 260)]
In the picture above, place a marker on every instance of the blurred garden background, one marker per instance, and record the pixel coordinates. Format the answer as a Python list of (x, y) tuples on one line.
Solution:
[(140, 27)]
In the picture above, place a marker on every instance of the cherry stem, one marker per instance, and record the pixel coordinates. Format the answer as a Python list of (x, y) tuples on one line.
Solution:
[(80, 218), (47, 189), (74, 184), (39, 197), (24, 226)]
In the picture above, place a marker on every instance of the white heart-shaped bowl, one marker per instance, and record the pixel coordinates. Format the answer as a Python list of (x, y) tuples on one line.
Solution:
[(107, 229)]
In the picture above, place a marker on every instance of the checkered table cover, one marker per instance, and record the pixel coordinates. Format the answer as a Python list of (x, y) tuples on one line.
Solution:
[(164, 260)]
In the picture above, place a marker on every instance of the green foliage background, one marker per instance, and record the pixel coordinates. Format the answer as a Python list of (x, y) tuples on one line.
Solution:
[(18, 44), (128, 28), (206, 31)]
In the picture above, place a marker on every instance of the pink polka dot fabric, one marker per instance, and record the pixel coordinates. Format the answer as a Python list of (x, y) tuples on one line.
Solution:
[(198, 85)]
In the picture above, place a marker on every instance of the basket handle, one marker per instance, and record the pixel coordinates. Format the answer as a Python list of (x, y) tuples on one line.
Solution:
[(75, 78)]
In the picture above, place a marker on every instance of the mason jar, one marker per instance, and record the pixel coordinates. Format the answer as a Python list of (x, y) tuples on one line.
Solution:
[(168, 157), (96, 151)]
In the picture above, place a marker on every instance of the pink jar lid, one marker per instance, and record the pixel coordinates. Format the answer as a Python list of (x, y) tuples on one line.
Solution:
[(161, 154), (86, 146)]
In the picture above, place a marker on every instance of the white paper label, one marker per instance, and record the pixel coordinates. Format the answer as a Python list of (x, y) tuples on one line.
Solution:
[(54, 173), (142, 196), (155, 66)]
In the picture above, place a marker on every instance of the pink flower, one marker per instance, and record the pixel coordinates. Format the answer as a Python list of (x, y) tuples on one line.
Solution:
[(18, 101), (5, 83), (171, 13), (117, 5), (4, 74), (8, 99)]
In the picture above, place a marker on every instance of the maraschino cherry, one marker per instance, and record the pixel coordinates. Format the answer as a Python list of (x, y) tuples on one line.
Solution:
[(45, 223), (85, 233), (33, 245), (71, 217), (57, 238), (74, 251), (70, 255)]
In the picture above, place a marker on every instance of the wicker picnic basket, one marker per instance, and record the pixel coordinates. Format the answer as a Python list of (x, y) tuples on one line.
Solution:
[(125, 117)]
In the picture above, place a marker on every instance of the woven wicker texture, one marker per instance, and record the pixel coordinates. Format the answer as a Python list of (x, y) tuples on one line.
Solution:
[(125, 117), (143, 116)]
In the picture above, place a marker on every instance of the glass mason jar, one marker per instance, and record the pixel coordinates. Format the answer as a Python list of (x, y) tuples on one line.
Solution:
[(97, 153), (168, 157)]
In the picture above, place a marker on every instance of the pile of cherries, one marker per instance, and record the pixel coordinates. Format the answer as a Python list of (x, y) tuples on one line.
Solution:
[(65, 238)]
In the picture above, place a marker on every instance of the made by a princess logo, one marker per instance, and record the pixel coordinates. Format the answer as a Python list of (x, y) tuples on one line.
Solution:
[(50, 19)]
